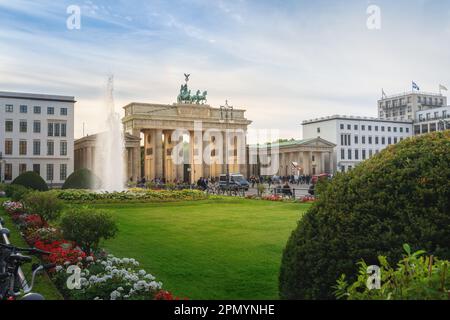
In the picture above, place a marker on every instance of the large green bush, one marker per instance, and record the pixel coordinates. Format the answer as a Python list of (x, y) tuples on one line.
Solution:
[(45, 204), (401, 195), (31, 180), (87, 226), (82, 179)]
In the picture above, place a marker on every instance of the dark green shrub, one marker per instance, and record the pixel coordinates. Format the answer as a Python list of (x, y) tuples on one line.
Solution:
[(401, 195), (16, 192), (31, 180), (87, 226), (45, 204), (82, 179)]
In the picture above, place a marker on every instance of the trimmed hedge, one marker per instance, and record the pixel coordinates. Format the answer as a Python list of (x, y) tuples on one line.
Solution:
[(401, 195), (82, 179), (132, 195), (31, 180)]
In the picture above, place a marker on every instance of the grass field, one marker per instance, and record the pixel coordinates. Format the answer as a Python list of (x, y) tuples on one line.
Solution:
[(229, 249)]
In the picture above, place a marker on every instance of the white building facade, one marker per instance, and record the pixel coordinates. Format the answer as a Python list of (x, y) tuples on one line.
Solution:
[(405, 106), (356, 138), (36, 134), (431, 120)]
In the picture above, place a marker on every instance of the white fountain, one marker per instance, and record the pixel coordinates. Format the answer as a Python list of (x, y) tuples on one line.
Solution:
[(111, 147)]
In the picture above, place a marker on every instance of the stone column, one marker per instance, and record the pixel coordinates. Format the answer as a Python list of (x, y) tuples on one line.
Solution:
[(206, 157), (307, 162), (332, 165), (136, 163), (322, 163), (159, 157), (196, 146), (149, 146), (225, 153)]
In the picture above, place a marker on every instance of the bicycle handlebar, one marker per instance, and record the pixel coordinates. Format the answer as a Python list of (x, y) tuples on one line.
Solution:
[(25, 250)]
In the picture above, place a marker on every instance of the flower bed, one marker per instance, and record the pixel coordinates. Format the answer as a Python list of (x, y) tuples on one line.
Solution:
[(102, 276), (132, 195)]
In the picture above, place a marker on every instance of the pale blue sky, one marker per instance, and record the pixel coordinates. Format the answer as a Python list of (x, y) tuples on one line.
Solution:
[(284, 61)]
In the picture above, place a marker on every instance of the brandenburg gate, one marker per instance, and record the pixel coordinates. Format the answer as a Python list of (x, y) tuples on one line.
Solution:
[(217, 138)]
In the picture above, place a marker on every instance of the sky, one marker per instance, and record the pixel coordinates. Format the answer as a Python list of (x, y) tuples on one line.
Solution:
[(284, 61)]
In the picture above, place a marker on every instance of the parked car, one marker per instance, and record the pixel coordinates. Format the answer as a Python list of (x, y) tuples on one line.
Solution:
[(236, 181)]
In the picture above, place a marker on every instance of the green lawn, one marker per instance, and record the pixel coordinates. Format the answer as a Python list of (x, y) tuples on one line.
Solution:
[(228, 249), (43, 284)]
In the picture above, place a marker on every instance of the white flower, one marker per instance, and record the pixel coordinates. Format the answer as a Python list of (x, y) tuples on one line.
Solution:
[(142, 273), (89, 259), (115, 294), (120, 289), (59, 268)]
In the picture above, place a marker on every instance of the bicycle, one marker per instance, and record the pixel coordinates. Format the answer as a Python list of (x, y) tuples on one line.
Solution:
[(12, 282)]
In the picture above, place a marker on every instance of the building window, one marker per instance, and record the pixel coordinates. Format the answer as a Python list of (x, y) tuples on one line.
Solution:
[(356, 154), (50, 148), (363, 128), (363, 139), (50, 110), (376, 128), (37, 168), (417, 129), (407, 130), (23, 126), (63, 148), (370, 128), (349, 154), (356, 140), (370, 140), (63, 111), (383, 140), (8, 172), (370, 153), (57, 131), (23, 109), (23, 147), (432, 127), (50, 130), (401, 129), (22, 168), (364, 154), (9, 126), (63, 172), (425, 128), (395, 129), (342, 126), (395, 140), (37, 127), (389, 141), (63, 130), (349, 127), (37, 110), (50, 172), (8, 147), (9, 108), (389, 129), (382, 128), (36, 147), (342, 154), (356, 127), (377, 140)]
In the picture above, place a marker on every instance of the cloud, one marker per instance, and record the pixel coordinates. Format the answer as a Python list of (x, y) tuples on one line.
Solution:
[(283, 61)]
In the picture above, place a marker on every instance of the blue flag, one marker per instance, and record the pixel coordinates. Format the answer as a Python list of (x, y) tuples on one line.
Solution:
[(415, 86)]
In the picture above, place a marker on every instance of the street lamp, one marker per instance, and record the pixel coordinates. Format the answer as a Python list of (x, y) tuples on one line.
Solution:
[(226, 114)]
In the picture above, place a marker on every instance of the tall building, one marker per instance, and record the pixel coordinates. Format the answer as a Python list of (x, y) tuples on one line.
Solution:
[(356, 138), (36, 134), (405, 106)]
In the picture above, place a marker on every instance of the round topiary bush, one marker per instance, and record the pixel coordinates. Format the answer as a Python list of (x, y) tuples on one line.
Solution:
[(82, 179), (31, 180), (401, 195)]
